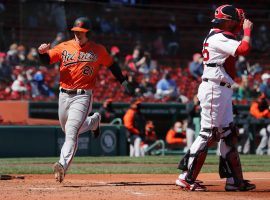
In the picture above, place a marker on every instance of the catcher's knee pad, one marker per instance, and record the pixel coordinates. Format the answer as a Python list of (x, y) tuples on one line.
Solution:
[(231, 166), (232, 138), (213, 135)]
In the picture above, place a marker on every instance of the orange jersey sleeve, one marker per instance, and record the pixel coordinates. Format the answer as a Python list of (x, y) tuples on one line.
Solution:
[(55, 54), (106, 58), (171, 139), (129, 122)]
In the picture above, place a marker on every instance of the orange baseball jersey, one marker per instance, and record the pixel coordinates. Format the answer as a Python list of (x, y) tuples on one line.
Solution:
[(79, 66)]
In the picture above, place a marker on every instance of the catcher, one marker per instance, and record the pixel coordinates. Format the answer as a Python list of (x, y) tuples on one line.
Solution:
[(220, 48)]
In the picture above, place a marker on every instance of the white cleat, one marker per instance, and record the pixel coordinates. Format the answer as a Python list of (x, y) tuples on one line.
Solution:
[(97, 131), (196, 186)]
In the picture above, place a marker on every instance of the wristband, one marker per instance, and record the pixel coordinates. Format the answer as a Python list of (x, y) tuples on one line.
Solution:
[(247, 32)]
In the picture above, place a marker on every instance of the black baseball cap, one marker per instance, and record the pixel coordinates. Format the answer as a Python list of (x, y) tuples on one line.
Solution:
[(82, 24), (225, 12)]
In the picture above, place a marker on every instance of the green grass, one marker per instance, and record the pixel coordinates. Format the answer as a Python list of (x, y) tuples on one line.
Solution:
[(121, 165)]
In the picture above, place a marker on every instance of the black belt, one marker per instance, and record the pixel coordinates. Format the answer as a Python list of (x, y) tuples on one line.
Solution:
[(221, 83), (80, 91), (212, 65)]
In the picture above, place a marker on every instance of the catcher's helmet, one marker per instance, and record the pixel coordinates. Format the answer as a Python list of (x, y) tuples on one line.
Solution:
[(225, 12), (81, 24)]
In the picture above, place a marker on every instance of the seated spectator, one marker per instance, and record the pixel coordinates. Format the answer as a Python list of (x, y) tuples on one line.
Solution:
[(146, 65), (241, 66), (32, 58), (166, 87), (106, 111), (43, 89), (130, 64), (133, 62), (150, 135), (260, 110), (242, 90), (131, 79), (18, 87), (254, 69), (196, 66), (21, 49), (12, 55), (137, 53), (176, 136), (146, 88), (135, 124), (5, 69), (265, 85)]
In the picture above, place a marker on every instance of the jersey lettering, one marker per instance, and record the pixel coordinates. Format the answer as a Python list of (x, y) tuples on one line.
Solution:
[(67, 57), (205, 52)]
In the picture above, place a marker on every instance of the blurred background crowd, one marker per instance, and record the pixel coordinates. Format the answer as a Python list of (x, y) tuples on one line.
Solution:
[(158, 46)]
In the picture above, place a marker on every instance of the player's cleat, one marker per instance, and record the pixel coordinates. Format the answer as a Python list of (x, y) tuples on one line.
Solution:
[(196, 186), (244, 186), (59, 172), (97, 131)]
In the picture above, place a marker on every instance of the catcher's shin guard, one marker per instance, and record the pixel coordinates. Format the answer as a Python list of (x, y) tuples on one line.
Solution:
[(183, 164), (231, 166), (195, 167), (193, 160)]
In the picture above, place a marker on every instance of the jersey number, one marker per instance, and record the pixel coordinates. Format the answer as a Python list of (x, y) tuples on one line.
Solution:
[(205, 52), (87, 70)]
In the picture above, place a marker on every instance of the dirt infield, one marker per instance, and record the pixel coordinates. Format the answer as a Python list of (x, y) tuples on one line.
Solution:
[(125, 186)]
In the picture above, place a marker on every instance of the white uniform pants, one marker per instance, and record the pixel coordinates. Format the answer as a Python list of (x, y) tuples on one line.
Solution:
[(265, 141), (190, 135), (216, 104), (135, 149), (73, 111)]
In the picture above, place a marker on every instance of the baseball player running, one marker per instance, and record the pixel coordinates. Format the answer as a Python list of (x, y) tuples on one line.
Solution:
[(220, 48), (80, 60)]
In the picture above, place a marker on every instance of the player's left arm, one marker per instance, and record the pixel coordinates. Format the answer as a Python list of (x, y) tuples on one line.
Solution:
[(245, 45), (117, 72)]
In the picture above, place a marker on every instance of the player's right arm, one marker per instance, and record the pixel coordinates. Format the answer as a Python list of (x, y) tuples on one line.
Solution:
[(49, 56)]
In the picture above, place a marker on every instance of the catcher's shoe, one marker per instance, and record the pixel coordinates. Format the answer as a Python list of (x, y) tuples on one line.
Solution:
[(178, 181), (196, 186), (59, 172), (244, 186), (97, 131)]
